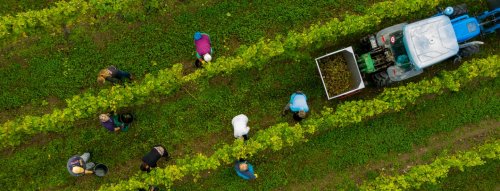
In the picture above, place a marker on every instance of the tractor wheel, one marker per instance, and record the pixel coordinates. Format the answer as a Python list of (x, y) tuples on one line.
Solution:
[(382, 79), (468, 51)]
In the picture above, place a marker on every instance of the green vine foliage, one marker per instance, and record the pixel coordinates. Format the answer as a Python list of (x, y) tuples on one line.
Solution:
[(398, 98), (431, 173), (275, 138), (281, 135), (87, 105), (169, 80), (67, 13)]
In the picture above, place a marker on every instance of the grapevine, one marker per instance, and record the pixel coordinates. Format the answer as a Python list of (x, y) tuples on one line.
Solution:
[(431, 173), (280, 135), (169, 80)]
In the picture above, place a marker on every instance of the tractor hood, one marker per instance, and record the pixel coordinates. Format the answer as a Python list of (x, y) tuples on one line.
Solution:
[(430, 41)]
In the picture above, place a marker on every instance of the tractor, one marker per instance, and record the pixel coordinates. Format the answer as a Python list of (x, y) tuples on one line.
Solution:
[(402, 51)]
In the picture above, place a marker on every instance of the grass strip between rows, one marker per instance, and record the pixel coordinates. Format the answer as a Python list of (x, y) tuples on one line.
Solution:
[(430, 173), (167, 81), (280, 135)]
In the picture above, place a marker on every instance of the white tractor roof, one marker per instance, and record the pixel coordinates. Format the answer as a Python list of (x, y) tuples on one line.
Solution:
[(430, 41)]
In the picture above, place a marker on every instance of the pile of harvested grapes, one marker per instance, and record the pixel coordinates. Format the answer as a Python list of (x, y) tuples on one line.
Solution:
[(337, 76)]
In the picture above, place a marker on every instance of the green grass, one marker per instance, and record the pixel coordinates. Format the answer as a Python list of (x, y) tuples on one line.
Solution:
[(174, 122), (186, 125), (61, 69), (483, 177), (340, 150), (183, 123)]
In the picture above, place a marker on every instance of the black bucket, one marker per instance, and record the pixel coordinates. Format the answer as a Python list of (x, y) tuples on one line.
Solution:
[(100, 170)]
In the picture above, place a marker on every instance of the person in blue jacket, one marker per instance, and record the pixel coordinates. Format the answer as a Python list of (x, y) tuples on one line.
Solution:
[(244, 170), (298, 106)]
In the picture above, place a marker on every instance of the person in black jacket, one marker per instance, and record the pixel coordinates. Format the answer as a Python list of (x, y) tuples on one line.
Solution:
[(149, 160)]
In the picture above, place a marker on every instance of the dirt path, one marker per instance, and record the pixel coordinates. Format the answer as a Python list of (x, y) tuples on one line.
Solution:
[(462, 138)]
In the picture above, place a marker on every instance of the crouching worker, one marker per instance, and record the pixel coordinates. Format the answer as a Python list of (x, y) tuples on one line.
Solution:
[(298, 106), (78, 166), (113, 75), (108, 123), (240, 126), (113, 122), (203, 48), (150, 159), (244, 170)]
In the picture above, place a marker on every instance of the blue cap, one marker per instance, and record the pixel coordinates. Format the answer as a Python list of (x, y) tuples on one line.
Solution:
[(197, 35), (448, 11)]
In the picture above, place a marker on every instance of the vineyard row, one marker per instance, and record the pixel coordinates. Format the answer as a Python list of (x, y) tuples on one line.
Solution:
[(282, 134), (169, 80)]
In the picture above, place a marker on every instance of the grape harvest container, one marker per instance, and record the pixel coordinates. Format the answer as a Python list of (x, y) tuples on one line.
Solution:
[(356, 81)]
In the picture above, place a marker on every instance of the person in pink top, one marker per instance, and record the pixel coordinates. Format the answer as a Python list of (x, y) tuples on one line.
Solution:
[(203, 48)]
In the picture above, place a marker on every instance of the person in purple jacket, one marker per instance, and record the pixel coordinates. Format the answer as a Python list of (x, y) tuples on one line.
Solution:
[(108, 123), (79, 165), (203, 48)]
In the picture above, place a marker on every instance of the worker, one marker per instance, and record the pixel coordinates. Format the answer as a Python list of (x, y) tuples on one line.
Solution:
[(123, 121), (149, 160), (108, 122), (203, 48), (244, 170), (298, 105), (240, 126), (79, 166), (113, 75)]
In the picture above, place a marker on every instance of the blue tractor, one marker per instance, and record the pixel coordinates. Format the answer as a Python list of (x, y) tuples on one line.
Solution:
[(402, 51)]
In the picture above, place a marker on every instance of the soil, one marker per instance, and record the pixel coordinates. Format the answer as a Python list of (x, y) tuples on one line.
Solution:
[(336, 75)]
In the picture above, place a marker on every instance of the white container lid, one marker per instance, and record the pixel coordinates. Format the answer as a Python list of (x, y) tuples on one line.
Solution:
[(430, 41)]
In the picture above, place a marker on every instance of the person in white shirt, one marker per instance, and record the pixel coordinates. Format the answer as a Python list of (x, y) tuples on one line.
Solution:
[(240, 126)]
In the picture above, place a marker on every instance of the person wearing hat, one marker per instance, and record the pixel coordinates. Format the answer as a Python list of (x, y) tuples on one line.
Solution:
[(113, 75), (298, 105), (240, 126), (78, 166), (203, 48), (244, 170), (149, 160)]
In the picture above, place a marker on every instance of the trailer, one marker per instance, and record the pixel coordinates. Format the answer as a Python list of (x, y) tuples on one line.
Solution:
[(404, 50)]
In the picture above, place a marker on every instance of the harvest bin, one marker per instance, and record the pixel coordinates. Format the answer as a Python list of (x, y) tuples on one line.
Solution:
[(356, 81)]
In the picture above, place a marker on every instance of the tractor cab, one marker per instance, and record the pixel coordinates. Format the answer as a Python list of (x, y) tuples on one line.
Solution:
[(415, 46), (430, 41)]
